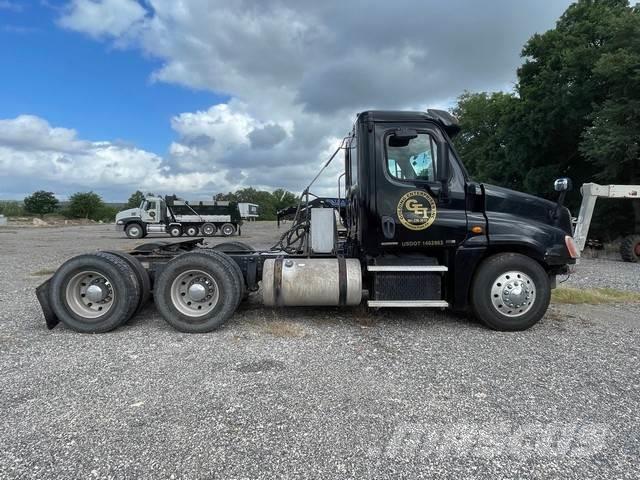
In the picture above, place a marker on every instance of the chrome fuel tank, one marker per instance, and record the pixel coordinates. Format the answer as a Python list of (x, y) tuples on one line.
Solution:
[(311, 282)]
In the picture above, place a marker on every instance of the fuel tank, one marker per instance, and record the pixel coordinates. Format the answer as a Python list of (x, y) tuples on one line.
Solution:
[(311, 282)]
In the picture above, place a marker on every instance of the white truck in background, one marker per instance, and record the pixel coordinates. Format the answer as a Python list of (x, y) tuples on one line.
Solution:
[(177, 217)]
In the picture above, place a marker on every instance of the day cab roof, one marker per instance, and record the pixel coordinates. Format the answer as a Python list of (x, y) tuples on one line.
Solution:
[(448, 122)]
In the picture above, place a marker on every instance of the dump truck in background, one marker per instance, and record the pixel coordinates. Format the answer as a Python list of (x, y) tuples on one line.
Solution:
[(177, 217)]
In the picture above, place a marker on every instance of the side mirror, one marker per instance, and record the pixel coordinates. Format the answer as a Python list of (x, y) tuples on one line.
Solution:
[(443, 170), (563, 185)]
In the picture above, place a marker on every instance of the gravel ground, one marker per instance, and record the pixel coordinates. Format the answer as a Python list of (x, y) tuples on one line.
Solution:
[(322, 393)]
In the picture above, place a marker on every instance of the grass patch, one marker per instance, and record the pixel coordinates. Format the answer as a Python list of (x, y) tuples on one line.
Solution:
[(43, 272), (593, 296)]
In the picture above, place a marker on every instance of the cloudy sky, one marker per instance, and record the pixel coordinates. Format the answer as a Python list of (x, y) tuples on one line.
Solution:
[(203, 96)]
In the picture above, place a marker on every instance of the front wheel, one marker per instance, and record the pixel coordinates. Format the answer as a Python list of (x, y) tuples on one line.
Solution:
[(134, 230), (510, 292)]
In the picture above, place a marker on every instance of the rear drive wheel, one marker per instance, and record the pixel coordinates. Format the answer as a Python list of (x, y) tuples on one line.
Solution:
[(191, 231), (197, 292), (208, 229), (630, 248), (144, 282), (134, 230), (94, 293), (175, 230), (227, 229), (239, 277), (510, 292)]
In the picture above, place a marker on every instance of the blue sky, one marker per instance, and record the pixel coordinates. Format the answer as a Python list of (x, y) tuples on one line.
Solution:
[(104, 92), (204, 96)]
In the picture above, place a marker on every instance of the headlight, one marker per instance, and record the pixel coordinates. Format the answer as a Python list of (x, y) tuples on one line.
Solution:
[(119, 222)]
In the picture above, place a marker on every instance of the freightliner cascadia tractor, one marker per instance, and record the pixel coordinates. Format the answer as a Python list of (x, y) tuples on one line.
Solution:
[(177, 217), (419, 233)]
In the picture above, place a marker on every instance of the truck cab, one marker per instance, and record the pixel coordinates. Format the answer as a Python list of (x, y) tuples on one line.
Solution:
[(416, 218)]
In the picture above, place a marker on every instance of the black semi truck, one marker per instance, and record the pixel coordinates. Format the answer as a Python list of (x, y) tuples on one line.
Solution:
[(419, 233)]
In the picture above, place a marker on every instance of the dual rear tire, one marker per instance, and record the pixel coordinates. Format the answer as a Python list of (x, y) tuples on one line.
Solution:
[(199, 291), (96, 293)]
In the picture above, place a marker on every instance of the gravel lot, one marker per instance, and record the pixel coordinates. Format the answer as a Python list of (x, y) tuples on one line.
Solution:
[(313, 393)]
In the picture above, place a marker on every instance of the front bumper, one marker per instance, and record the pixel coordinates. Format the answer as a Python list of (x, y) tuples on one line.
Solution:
[(120, 228)]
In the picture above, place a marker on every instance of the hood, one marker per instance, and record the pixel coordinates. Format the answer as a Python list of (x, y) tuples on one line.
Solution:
[(524, 205), (128, 213)]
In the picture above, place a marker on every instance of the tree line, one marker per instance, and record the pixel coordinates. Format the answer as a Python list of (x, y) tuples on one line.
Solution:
[(90, 205), (87, 205), (574, 111)]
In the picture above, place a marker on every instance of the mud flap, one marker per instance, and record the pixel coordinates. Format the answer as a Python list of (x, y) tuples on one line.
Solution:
[(42, 293)]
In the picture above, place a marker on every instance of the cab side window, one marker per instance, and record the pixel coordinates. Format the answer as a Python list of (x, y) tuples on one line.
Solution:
[(413, 159)]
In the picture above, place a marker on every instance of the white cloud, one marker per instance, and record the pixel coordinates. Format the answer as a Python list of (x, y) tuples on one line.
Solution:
[(103, 17), (296, 73), (202, 162)]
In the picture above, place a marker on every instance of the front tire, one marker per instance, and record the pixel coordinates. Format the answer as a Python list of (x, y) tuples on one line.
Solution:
[(197, 292), (510, 292), (134, 230)]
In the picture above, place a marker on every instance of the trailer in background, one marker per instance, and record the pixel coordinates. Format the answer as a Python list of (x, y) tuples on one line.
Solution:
[(248, 211), (630, 246)]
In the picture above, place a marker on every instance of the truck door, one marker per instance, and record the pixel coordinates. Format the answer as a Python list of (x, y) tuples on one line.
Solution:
[(150, 211), (414, 211)]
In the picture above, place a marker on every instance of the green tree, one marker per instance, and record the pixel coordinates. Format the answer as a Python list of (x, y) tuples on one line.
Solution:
[(575, 112), (135, 199), (41, 203), (85, 205), (484, 139), (559, 90), (11, 208), (612, 142)]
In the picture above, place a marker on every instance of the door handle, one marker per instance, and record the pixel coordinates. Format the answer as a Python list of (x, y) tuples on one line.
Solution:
[(388, 227)]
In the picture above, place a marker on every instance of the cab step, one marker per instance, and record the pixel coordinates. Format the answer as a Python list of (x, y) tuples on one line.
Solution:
[(407, 268), (408, 303)]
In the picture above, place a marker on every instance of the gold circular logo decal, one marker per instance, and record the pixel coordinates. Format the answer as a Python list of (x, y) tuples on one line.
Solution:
[(416, 210)]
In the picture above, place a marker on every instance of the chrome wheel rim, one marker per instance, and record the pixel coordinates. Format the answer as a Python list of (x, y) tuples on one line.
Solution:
[(194, 293), (208, 230), (227, 229), (90, 294), (513, 294), (134, 231)]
